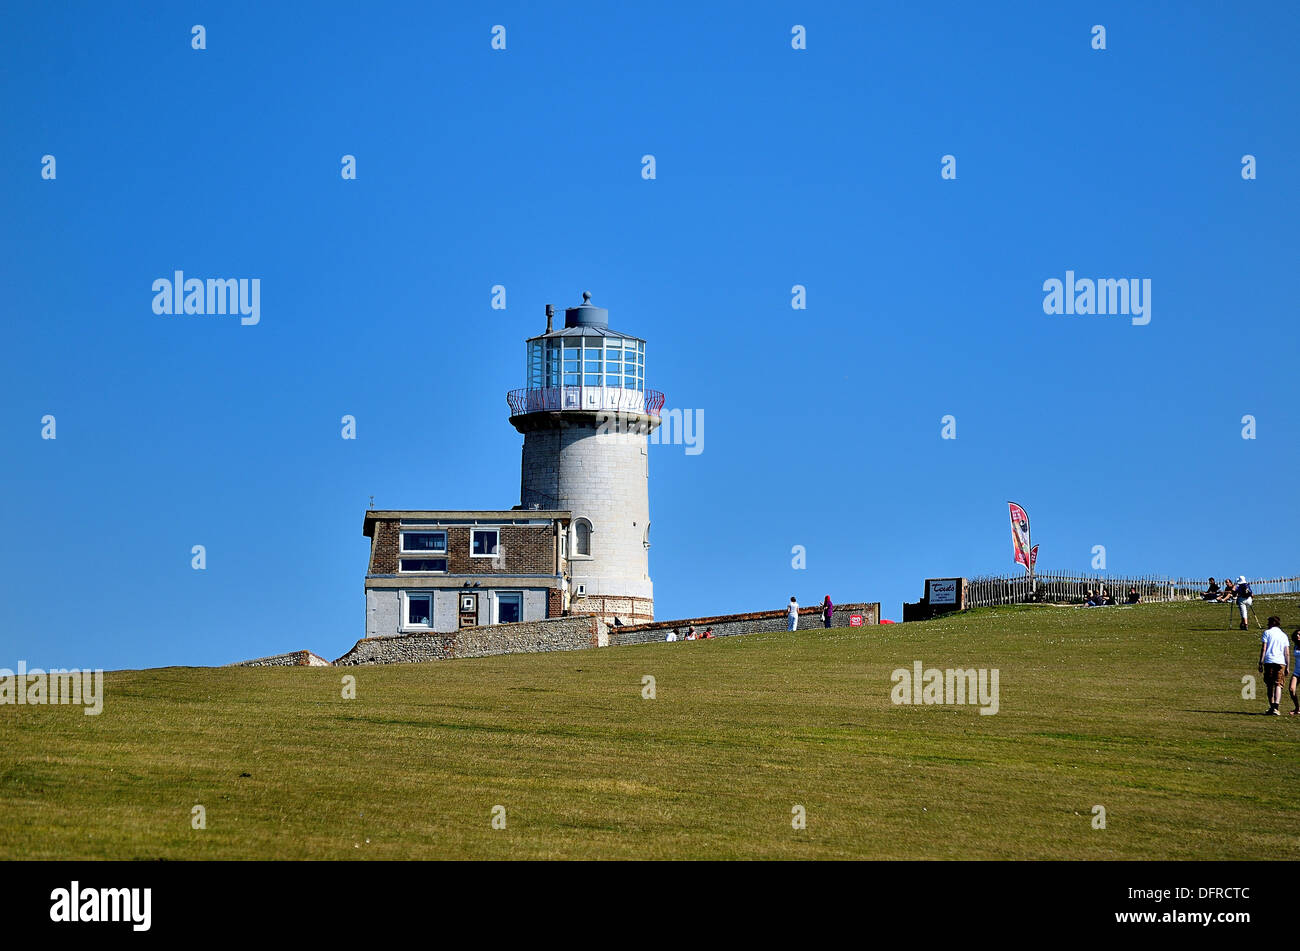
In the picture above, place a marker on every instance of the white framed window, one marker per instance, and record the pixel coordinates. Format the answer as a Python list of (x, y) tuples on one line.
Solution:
[(581, 538), (420, 543), (509, 607), (417, 610), (484, 542)]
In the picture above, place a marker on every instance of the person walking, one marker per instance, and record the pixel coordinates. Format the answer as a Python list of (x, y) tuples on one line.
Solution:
[(1245, 598), (828, 611), (1295, 676), (1273, 654), (792, 615)]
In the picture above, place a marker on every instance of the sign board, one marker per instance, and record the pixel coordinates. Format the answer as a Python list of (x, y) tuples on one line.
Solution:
[(942, 590), (855, 620)]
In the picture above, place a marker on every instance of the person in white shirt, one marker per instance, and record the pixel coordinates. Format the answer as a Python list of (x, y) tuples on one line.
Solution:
[(1274, 651), (672, 636), (792, 615), (1245, 598)]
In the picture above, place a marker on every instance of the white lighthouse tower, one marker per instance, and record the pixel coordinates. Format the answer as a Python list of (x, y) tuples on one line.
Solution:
[(586, 417)]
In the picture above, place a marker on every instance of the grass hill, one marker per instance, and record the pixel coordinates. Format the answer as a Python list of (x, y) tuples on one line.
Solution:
[(1136, 709)]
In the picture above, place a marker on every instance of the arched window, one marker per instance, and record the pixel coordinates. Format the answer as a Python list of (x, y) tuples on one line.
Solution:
[(582, 537)]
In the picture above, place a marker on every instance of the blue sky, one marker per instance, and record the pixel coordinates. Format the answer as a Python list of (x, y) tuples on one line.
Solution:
[(775, 167)]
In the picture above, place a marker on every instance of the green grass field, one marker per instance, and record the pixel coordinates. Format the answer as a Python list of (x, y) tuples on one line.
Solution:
[(1139, 710)]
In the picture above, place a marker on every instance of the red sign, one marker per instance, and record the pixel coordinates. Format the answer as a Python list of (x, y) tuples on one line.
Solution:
[(855, 620)]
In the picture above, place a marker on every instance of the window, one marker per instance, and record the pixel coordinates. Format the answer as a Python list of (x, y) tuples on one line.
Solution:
[(424, 541), (419, 609), (591, 368), (553, 352), (510, 607), (572, 364), (422, 564), (484, 543), (535, 375), (582, 538)]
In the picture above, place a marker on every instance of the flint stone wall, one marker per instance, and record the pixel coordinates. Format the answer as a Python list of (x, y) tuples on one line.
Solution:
[(291, 659), (526, 637), (728, 625)]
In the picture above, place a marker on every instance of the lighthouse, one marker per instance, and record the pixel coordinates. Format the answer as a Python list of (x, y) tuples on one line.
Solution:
[(586, 416)]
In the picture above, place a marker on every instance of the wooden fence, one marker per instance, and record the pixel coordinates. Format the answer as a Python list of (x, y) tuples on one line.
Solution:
[(1061, 588)]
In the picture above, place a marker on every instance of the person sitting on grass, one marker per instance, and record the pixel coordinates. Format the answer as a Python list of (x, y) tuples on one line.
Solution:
[(1091, 600), (1212, 592), (1273, 656), (690, 633), (1229, 592), (1133, 596), (707, 635), (1295, 676), (1105, 597)]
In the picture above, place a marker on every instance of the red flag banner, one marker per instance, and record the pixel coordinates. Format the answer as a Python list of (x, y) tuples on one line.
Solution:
[(1020, 535)]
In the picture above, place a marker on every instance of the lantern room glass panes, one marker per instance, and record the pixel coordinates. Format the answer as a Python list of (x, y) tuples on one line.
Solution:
[(552, 363), (536, 368), (587, 361)]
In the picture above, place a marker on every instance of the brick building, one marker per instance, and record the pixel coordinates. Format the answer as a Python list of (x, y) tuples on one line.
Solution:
[(441, 571)]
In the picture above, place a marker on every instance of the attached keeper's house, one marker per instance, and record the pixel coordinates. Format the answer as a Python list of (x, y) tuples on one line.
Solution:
[(442, 571)]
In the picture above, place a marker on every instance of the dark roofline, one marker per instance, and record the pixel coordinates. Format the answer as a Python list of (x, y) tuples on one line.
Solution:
[(501, 515), (585, 332)]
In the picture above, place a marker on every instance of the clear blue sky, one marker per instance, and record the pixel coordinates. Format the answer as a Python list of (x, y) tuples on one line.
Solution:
[(522, 168)]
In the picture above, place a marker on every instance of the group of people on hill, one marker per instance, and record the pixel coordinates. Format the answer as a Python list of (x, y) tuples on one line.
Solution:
[(1239, 592), (792, 622), (1275, 656), (792, 613), (1099, 598), (691, 634)]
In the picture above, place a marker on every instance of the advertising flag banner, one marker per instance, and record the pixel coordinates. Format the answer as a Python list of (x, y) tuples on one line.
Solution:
[(1020, 535)]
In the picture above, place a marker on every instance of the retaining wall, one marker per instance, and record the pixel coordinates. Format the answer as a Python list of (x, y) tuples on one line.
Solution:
[(727, 625), (527, 637), (574, 632), (291, 659)]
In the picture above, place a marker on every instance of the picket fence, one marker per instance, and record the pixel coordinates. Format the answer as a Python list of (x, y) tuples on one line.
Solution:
[(1072, 588)]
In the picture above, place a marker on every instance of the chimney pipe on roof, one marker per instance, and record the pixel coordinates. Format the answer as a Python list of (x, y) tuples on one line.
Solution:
[(550, 313)]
